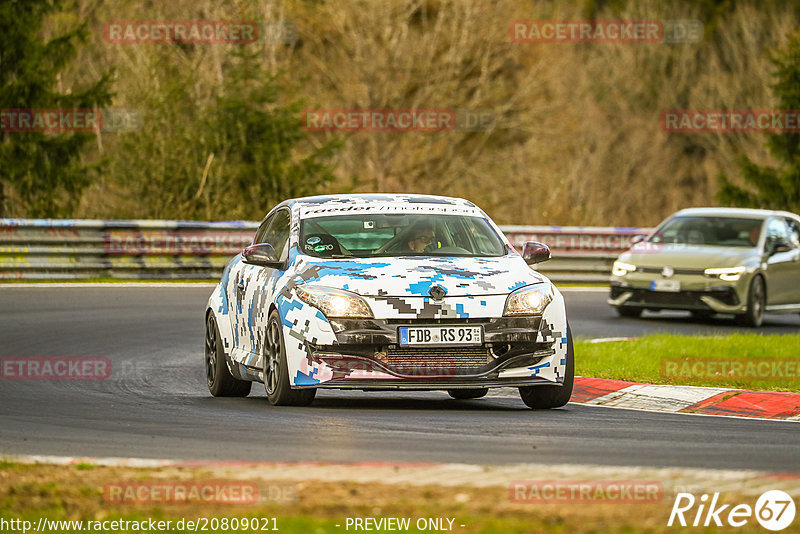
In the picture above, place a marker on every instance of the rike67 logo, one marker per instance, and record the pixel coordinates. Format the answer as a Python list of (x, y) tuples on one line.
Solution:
[(774, 510)]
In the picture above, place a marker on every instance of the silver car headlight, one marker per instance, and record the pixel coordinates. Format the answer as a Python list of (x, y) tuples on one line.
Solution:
[(334, 302), (621, 268), (529, 300), (729, 274)]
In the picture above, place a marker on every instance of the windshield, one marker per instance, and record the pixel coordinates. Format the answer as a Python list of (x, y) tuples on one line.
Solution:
[(713, 231), (376, 235)]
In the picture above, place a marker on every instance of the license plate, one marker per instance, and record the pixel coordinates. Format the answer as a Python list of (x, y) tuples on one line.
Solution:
[(665, 285), (440, 335)]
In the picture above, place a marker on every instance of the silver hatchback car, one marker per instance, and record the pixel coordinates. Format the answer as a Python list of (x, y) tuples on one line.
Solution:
[(713, 260)]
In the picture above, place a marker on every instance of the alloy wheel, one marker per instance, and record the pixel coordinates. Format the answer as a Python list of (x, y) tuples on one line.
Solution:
[(211, 351), (272, 363)]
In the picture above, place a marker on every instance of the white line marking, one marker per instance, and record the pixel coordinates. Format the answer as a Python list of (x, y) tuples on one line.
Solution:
[(609, 339), (657, 397), (582, 289), (738, 417)]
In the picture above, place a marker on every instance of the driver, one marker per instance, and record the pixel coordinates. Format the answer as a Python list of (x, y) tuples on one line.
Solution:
[(421, 236), (755, 233)]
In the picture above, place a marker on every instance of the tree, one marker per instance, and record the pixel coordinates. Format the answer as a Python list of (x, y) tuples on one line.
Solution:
[(259, 138), (765, 186), (41, 171), (230, 155)]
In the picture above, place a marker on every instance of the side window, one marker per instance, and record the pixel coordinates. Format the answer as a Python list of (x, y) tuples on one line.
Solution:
[(262, 230), (794, 232), (777, 232), (277, 234)]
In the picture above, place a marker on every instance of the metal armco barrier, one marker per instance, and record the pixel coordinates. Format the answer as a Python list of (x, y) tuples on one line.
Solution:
[(79, 249), (578, 253), (64, 249)]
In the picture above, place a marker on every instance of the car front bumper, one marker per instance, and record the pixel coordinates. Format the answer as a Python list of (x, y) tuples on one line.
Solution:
[(367, 354), (698, 292)]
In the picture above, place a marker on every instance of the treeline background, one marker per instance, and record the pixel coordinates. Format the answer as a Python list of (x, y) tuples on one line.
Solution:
[(577, 138)]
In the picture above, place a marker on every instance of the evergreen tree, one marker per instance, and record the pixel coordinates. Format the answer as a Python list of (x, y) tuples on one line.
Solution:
[(774, 187), (40, 171), (259, 138), (232, 157)]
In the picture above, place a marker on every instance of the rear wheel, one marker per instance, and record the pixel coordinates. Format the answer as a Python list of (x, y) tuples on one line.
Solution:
[(629, 311), (218, 377), (464, 394), (545, 397), (756, 302), (276, 371)]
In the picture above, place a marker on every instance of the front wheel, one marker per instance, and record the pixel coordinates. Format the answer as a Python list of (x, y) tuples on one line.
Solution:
[(756, 302), (464, 394), (545, 397), (276, 371), (218, 377)]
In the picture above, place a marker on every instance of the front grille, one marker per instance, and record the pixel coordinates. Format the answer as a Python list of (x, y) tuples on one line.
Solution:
[(437, 361), (683, 298), (445, 320), (676, 271)]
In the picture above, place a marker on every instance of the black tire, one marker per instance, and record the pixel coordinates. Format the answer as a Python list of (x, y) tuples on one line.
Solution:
[(546, 397), (756, 302), (465, 394), (276, 371), (218, 377), (629, 311)]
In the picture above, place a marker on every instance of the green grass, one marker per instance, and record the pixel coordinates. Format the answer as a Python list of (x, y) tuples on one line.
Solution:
[(686, 360), (56, 492)]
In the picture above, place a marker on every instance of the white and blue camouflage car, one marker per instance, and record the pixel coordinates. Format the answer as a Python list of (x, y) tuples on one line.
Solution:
[(386, 292)]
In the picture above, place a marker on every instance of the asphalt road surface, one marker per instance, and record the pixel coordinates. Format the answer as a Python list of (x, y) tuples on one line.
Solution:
[(156, 404), (591, 317)]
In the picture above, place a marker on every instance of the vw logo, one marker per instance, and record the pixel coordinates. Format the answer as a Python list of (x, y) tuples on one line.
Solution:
[(666, 272), (437, 292)]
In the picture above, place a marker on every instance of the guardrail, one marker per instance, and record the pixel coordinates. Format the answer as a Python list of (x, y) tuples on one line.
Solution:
[(53, 249)]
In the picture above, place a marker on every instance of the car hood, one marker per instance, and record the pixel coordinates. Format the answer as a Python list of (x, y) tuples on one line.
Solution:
[(415, 276), (687, 256)]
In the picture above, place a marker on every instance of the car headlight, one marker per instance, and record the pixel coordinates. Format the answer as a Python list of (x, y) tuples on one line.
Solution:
[(334, 302), (729, 274), (530, 300), (621, 269)]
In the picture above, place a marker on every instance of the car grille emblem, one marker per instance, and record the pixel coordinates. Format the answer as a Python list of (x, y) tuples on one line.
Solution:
[(437, 292), (667, 272)]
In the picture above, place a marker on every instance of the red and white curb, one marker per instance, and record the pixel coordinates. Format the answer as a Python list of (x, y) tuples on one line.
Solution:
[(687, 399)]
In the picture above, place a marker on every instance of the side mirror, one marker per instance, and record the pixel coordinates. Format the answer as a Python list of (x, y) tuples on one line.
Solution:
[(262, 254), (779, 247), (535, 252), (638, 238)]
